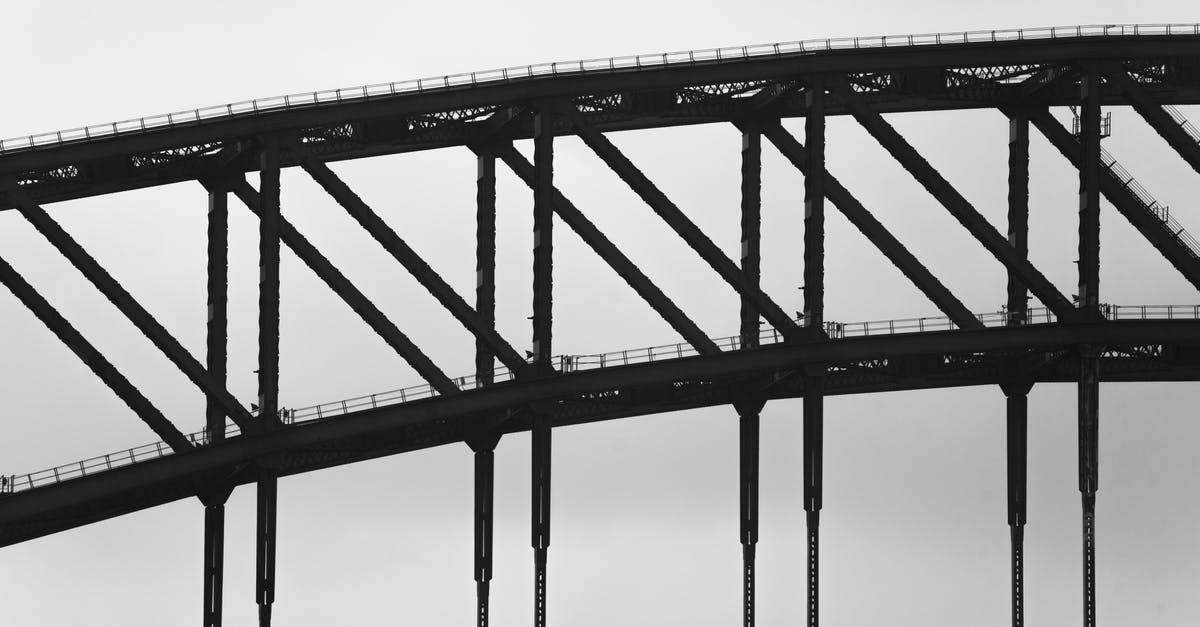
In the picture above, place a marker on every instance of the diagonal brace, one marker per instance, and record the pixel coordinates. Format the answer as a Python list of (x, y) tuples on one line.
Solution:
[(123, 301), (1158, 118), (954, 202), (357, 301), (684, 227), (104, 369), (412, 262), (608, 251), (1118, 193), (883, 239)]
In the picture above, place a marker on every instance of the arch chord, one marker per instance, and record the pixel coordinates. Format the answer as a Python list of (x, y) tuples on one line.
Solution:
[(357, 301), (952, 200)]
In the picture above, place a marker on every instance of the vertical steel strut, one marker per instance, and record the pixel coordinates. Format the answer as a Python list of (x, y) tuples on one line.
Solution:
[(1089, 192), (265, 545), (485, 305), (216, 363), (748, 410), (1016, 390), (540, 435), (543, 242), (814, 319), (1089, 450)]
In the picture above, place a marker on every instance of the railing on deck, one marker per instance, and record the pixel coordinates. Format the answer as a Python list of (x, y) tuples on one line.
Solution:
[(244, 108), (1151, 204), (573, 363)]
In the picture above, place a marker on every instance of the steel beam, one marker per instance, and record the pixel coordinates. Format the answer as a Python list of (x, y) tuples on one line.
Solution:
[(485, 472), (268, 496), (1163, 123), (218, 306), (485, 263), (1089, 192), (748, 445), (214, 563), (814, 428), (682, 225), (814, 205), (268, 283), (1117, 191), (1089, 455), (1018, 211), (876, 233), (92, 358), (543, 233), (540, 436), (617, 260), (952, 200), (119, 297), (413, 263), (327, 272), (1017, 410)]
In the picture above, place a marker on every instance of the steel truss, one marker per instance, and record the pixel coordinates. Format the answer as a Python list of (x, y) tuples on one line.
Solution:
[(1023, 81)]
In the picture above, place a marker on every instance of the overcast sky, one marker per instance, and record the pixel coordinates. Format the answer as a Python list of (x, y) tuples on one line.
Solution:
[(645, 509)]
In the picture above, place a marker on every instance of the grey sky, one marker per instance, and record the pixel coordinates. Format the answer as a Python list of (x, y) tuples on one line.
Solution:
[(645, 509)]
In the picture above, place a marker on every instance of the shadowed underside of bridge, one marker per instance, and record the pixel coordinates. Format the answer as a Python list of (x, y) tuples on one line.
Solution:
[(1022, 75)]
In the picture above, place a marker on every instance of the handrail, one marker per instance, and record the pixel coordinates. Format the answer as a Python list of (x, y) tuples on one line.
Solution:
[(1151, 204), (448, 82), (10, 484)]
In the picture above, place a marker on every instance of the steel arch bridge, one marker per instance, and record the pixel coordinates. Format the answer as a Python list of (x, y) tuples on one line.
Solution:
[(1022, 74)]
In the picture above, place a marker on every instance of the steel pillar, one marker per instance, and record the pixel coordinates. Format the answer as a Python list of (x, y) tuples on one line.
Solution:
[(1089, 453), (814, 427), (214, 562), (748, 412), (485, 470), (540, 436), (543, 240), (268, 493), (268, 283), (1017, 412), (1089, 192), (814, 206), (1018, 211), (748, 441), (218, 306), (485, 261)]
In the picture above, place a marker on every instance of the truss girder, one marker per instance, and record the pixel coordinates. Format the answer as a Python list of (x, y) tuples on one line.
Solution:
[(413, 263), (877, 234), (1158, 119), (953, 201), (682, 225), (327, 272), (127, 305), (1121, 197), (91, 357), (612, 255)]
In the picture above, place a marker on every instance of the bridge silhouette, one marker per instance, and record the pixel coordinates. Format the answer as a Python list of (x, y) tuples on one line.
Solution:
[(1024, 74)]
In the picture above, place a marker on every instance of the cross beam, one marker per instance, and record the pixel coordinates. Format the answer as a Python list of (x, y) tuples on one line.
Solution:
[(357, 301), (953, 201), (876, 233), (681, 224), (92, 358), (116, 294), (617, 260), (1118, 193)]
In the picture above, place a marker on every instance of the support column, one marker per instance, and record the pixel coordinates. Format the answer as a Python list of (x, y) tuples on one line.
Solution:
[(814, 426), (214, 562), (1089, 193), (265, 546), (485, 305), (814, 319), (268, 284), (1017, 410), (1089, 452), (748, 411), (543, 241), (540, 435), (1016, 390), (814, 206)]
